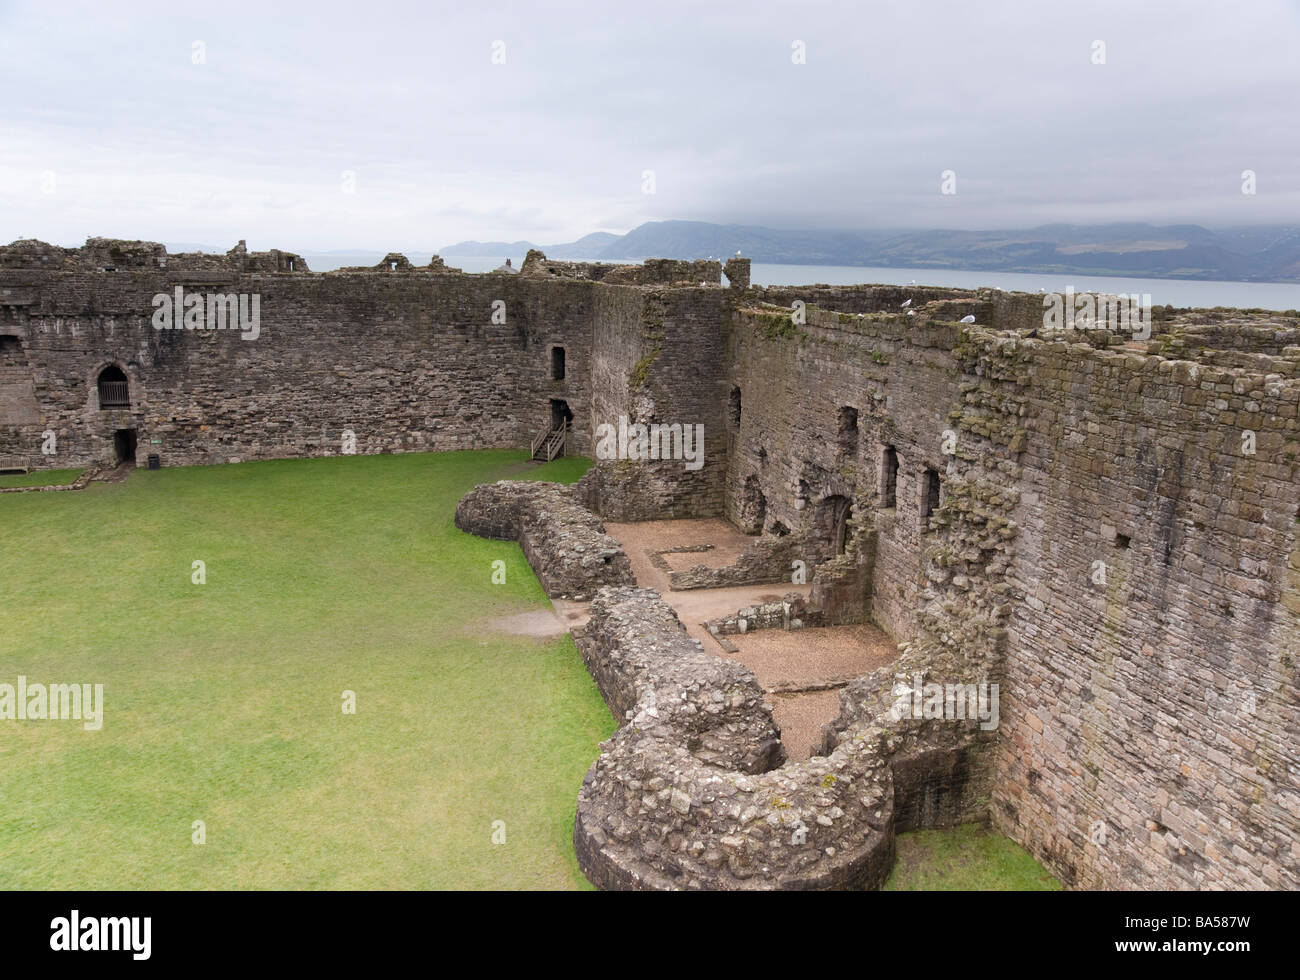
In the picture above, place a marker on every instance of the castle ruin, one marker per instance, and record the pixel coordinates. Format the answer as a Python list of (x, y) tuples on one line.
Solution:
[(1106, 528)]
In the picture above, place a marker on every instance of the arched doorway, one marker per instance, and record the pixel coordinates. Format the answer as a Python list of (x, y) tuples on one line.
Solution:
[(113, 388)]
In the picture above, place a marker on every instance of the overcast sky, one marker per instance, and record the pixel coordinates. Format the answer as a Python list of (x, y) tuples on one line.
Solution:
[(110, 127)]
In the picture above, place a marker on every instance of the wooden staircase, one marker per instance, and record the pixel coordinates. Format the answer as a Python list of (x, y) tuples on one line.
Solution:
[(551, 442)]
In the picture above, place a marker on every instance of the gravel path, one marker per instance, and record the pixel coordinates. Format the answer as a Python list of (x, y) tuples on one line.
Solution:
[(801, 717), (809, 656)]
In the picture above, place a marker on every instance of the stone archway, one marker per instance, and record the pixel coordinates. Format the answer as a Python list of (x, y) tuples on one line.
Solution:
[(113, 388)]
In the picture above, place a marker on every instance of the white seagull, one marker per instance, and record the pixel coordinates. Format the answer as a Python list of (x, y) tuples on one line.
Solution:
[(908, 303), (968, 318)]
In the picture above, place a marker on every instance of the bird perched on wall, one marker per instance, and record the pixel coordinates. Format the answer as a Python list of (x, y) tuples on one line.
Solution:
[(968, 318), (908, 303), (911, 312)]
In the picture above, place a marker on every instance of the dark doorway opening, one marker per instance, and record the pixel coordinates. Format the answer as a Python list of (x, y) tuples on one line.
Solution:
[(557, 363), (561, 414), (124, 445)]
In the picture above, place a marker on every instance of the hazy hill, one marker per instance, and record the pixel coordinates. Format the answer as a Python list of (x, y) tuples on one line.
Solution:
[(1261, 253), (584, 248)]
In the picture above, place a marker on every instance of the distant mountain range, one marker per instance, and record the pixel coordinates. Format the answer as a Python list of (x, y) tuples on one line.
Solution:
[(1251, 254), (586, 247)]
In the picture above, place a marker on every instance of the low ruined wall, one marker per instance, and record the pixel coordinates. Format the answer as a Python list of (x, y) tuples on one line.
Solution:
[(766, 561), (791, 612), (635, 645), (688, 793), (940, 746), (684, 795), (565, 544)]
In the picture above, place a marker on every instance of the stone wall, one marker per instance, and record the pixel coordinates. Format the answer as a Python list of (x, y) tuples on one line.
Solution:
[(663, 367), (792, 612), (686, 795), (406, 362), (691, 792), (820, 403), (564, 543), (1152, 739), (665, 272), (1156, 711), (768, 560)]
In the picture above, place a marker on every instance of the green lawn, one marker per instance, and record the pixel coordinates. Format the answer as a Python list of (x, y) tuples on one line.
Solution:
[(223, 700), (40, 478), (967, 858)]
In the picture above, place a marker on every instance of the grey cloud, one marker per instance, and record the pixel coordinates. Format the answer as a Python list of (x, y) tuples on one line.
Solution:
[(553, 143)]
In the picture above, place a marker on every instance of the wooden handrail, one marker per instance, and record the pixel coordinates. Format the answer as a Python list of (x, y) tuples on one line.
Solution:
[(552, 440)]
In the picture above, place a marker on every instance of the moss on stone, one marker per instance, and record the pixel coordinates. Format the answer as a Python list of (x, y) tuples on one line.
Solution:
[(641, 370)]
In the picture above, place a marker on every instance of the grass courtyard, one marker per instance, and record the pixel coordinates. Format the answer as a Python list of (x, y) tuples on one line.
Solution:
[(224, 700)]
